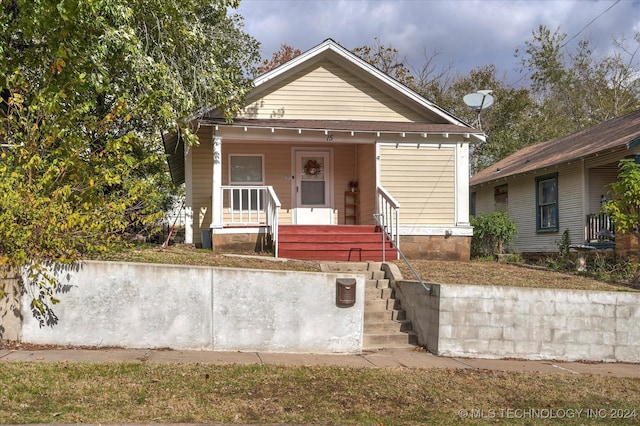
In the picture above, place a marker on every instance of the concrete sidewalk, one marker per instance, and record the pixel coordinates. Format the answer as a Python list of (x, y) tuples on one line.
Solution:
[(388, 358)]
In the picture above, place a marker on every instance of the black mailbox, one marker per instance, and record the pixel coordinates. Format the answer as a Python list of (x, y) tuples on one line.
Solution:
[(346, 291)]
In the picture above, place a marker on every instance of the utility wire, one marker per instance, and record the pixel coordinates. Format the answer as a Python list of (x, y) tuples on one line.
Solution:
[(592, 21)]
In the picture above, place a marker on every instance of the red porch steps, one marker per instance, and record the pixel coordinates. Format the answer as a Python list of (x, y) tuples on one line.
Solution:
[(345, 243)]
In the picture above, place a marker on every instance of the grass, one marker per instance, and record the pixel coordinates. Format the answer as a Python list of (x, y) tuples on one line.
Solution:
[(443, 272), (208, 393)]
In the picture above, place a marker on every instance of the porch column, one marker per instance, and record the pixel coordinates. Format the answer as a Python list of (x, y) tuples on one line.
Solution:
[(188, 198), (462, 184), (216, 184)]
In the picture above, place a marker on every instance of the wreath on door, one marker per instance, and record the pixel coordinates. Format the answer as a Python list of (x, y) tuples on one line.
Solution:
[(312, 168)]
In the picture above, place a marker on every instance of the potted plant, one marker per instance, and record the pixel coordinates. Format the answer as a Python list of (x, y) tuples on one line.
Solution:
[(353, 186)]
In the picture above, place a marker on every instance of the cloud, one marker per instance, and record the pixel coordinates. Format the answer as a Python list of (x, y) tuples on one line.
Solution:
[(468, 33)]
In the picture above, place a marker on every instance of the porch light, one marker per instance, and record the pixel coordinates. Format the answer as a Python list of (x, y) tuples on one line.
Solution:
[(446, 135), (424, 135), (402, 134)]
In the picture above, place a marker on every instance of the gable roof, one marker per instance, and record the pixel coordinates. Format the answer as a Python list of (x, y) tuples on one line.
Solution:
[(332, 51), (620, 132)]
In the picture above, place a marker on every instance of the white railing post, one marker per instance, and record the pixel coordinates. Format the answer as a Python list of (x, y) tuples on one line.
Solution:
[(243, 210), (388, 210)]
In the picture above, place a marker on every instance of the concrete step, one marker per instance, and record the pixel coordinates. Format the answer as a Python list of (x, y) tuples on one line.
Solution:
[(389, 340), (387, 326), (375, 266), (378, 293), (375, 305), (373, 283), (378, 275), (378, 316)]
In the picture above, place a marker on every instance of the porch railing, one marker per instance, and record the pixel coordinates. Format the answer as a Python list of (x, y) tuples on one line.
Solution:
[(600, 228), (251, 206), (388, 212)]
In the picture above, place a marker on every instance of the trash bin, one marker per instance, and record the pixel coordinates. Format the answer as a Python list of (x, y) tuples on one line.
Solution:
[(206, 239)]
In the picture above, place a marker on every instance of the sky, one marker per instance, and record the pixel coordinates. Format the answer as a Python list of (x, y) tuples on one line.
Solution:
[(467, 34)]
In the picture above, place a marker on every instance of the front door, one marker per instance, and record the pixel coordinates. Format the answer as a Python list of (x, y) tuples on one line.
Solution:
[(313, 183)]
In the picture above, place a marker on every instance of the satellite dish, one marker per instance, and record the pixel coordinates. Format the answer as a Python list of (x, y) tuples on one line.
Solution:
[(478, 101)]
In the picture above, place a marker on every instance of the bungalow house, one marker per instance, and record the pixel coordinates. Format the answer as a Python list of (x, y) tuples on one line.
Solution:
[(559, 185), (327, 145)]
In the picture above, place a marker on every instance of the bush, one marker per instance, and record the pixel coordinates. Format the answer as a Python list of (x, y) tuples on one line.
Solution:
[(491, 232)]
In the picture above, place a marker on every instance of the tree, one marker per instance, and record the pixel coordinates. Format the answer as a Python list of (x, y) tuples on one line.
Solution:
[(491, 232), (505, 122), (624, 207), (88, 87), (387, 60), (578, 89), (285, 54)]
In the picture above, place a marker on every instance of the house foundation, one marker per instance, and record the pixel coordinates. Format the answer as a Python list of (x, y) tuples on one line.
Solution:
[(240, 240), (436, 247)]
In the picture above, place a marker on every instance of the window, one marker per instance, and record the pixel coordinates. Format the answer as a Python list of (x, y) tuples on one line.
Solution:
[(500, 197), (547, 203), (246, 170), (472, 204)]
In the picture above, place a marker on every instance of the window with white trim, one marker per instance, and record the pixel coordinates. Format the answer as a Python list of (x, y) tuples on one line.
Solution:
[(246, 170), (547, 203)]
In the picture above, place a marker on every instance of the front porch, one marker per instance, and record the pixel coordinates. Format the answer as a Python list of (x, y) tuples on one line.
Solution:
[(251, 221)]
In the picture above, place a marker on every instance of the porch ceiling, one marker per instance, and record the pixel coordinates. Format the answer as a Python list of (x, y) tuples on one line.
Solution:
[(376, 128)]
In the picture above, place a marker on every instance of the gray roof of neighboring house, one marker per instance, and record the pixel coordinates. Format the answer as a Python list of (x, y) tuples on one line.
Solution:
[(620, 132)]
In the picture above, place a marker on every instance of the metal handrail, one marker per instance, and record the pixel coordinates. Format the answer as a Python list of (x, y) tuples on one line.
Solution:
[(377, 218)]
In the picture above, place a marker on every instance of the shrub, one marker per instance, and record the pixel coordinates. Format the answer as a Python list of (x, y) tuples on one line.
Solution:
[(491, 232)]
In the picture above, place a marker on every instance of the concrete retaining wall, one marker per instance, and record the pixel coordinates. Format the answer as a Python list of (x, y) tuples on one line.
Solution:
[(531, 323), (225, 309)]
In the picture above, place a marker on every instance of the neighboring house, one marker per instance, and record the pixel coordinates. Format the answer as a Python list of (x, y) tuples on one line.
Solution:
[(310, 127), (559, 185)]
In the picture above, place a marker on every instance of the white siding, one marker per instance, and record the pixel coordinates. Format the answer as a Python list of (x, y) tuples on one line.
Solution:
[(422, 179), (522, 208), (328, 92), (599, 180), (484, 199)]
